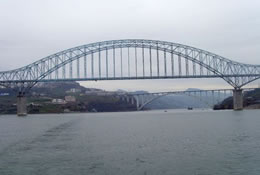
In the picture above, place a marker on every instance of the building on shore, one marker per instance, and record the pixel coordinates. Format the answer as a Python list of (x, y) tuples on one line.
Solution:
[(70, 98), (73, 90), (59, 101)]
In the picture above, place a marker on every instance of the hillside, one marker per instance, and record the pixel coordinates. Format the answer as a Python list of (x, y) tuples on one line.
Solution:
[(64, 97), (251, 100)]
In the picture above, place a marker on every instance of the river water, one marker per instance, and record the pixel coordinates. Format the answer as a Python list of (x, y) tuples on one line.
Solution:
[(153, 142)]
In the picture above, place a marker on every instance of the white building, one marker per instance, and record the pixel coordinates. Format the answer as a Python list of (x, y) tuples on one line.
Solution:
[(70, 98), (59, 101), (73, 90), (4, 94)]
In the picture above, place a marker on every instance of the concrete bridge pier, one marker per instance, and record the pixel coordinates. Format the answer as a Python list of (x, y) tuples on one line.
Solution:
[(21, 105), (132, 101), (137, 103), (127, 99), (237, 99)]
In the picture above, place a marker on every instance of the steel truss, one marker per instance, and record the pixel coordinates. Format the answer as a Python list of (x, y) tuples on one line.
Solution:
[(121, 60)]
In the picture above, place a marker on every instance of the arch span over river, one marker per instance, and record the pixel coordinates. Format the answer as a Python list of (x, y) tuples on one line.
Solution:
[(131, 59)]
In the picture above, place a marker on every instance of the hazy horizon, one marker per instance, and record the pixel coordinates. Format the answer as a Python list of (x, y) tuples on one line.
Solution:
[(35, 29)]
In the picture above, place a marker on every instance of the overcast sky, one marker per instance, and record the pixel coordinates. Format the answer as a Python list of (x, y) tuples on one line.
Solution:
[(33, 29)]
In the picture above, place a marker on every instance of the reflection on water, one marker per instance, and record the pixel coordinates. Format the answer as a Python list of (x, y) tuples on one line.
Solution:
[(153, 142)]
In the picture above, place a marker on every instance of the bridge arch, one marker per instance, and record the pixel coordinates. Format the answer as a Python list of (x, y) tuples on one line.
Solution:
[(167, 94), (234, 73)]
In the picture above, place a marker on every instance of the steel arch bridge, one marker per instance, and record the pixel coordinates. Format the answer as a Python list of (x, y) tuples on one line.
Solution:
[(208, 97), (129, 59)]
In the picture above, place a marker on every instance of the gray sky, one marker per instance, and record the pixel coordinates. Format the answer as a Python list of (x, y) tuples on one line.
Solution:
[(33, 29)]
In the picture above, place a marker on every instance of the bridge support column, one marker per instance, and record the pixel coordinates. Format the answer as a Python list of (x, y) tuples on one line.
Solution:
[(127, 99), (237, 99), (21, 105), (137, 103), (132, 101)]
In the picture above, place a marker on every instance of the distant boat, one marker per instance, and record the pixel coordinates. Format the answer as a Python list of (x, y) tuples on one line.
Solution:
[(190, 108)]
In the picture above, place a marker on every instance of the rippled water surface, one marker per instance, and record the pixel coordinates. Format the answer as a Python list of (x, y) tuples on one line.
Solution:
[(154, 142)]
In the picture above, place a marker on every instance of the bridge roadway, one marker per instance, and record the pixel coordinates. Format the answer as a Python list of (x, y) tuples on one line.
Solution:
[(129, 59)]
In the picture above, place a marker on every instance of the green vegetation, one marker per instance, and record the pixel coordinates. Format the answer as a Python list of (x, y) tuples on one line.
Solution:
[(40, 100), (250, 99)]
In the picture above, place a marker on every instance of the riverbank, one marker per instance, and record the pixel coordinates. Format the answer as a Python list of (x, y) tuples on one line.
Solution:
[(251, 100)]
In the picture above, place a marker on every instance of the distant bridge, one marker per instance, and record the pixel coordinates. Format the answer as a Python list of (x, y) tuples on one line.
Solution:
[(208, 97), (130, 59)]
